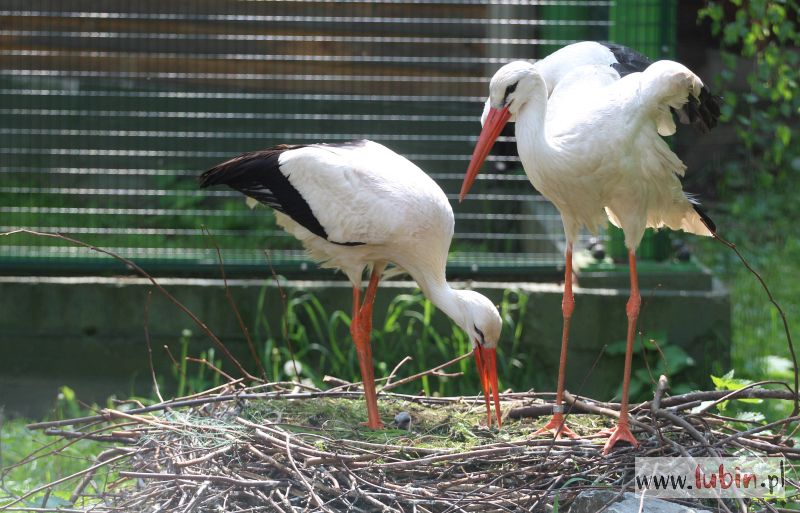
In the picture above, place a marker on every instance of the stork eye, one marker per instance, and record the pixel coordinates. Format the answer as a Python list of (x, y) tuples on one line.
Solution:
[(480, 334), (510, 89)]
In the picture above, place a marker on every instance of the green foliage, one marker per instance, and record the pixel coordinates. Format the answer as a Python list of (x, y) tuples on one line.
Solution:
[(762, 36), (652, 358), (321, 343), (746, 410), (759, 179), (26, 463), (728, 382)]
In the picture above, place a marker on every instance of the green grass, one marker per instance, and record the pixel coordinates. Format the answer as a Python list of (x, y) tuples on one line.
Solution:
[(321, 343), (459, 426), (759, 349), (27, 462)]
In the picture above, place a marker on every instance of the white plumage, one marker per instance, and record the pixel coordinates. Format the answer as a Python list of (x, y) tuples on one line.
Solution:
[(588, 131), (594, 147), (358, 206)]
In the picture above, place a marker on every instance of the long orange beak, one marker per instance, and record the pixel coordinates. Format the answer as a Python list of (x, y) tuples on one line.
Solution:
[(495, 121), (487, 371)]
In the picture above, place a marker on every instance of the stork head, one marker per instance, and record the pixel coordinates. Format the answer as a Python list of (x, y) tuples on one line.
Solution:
[(482, 322), (509, 90)]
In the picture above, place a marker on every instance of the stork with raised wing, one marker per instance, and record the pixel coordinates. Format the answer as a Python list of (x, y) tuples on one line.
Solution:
[(359, 206), (590, 141)]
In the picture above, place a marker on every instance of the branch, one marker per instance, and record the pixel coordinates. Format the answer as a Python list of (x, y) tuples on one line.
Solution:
[(144, 274), (772, 300), (428, 372)]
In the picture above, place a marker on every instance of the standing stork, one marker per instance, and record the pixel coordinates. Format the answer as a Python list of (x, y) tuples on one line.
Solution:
[(702, 114), (591, 145), (358, 206)]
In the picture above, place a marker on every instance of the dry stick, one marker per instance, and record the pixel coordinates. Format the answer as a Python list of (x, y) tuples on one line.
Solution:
[(693, 432), (396, 368), (172, 358), (758, 429), (145, 274), (160, 476), (783, 318), (211, 366), (205, 457), (742, 393), (285, 324), (655, 406), (197, 496), (108, 453), (149, 346), (229, 296), (303, 479), (736, 392), (124, 437), (409, 379)]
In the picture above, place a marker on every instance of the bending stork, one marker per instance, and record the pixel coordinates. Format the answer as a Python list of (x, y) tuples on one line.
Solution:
[(358, 206)]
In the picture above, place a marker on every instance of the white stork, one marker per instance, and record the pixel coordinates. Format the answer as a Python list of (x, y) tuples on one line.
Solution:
[(357, 206), (588, 126)]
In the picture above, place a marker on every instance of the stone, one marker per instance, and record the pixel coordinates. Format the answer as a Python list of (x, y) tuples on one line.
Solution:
[(592, 501)]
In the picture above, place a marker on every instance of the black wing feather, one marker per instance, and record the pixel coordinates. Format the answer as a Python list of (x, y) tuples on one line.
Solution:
[(628, 60), (257, 174), (701, 113)]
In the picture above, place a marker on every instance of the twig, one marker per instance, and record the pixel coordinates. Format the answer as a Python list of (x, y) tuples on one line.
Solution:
[(132, 265), (428, 372), (204, 361), (229, 295), (733, 393), (127, 438), (303, 479), (161, 476), (285, 326), (149, 346), (661, 387), (396, 368), (197, 496), (774, 302), (758, 429), (742, 393), (205, 457), (693, 432)]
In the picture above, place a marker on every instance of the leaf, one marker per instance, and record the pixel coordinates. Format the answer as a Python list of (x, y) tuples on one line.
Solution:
[(728, 382), (702, 407), (752, 416)]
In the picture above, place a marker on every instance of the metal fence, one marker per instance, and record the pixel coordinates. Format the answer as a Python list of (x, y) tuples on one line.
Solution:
[(110, 109)]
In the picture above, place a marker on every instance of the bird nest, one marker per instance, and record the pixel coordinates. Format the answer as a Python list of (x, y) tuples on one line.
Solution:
[(281, 447)]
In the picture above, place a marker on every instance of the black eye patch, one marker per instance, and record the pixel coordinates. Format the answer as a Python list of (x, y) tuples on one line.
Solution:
[(510, 89), (480, 334)]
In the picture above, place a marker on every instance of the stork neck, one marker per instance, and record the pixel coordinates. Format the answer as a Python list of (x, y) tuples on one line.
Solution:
[(444, 297), (530, 124)]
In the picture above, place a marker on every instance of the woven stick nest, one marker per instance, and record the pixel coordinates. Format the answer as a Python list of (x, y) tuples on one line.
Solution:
[(280, 447)]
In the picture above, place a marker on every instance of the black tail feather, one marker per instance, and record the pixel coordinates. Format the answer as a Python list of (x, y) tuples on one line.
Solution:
[(712, 227)]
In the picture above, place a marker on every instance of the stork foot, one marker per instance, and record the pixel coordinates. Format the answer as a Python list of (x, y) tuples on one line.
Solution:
[(557, 427), (372, 425), (619, 433)]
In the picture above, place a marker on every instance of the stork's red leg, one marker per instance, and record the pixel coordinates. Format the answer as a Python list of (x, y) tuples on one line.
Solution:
[(361, 329), (622, 430), (556, 424)]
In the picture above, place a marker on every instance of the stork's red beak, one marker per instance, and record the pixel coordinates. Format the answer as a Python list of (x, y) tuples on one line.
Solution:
[(495, 121), (487, 371)]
